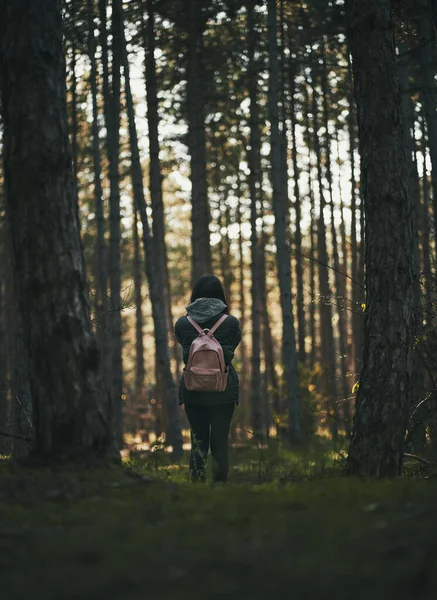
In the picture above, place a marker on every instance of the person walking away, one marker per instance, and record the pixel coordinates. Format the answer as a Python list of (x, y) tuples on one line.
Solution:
[(209, 393)]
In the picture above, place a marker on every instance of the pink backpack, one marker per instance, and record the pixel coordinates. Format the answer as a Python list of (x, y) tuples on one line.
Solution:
[(206, 369)]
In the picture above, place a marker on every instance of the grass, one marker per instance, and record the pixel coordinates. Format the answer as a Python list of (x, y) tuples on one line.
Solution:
[(287, 526)]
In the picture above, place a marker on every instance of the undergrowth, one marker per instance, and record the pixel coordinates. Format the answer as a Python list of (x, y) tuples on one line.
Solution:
[(288, 524)]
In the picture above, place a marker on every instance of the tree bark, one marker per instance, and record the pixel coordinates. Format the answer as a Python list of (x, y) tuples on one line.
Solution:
[(383, 398), (429, 92), (140, 372), (357, 319), (111, 98), (67, 393), (201, 250), (242, 304), (340, 299), (312, 231), (280, 210), (298, 236), (255, 191), (328, 345), (102, 304)]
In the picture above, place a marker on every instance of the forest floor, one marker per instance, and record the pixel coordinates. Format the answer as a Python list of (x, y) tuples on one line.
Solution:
[(285, 526)]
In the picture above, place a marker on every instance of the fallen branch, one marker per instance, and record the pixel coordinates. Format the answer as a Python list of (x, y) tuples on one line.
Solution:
[(16, 436), (422, 461)]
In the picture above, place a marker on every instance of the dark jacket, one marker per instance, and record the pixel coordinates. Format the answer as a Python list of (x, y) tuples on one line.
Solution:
[(229, 336)]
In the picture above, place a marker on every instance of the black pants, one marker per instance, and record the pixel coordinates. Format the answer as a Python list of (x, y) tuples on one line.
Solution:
[(209, 428)]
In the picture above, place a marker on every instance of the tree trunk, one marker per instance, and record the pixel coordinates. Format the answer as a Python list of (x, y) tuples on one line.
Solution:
[(154, 272), (357, 319), (325, 304), (242, 304), (298, 237), (158, 223), (417, 438), (269, 353), (67, 393), (312, 231), (340, 298), (428, 92), (425, 230), (102, 304), (201, 250), (4, 408), (255, 191), (383, 397), (74, 124), (280, 210), (111, 97), (140, 372)]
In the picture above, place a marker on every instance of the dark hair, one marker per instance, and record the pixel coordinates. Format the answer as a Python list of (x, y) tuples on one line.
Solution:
[(209, 286)]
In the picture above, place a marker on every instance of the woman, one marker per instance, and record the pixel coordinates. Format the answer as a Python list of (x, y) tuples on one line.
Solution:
[(209, 413)]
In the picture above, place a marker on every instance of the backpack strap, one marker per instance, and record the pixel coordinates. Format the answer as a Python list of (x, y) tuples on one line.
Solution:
[(217, 325), (195, 325)]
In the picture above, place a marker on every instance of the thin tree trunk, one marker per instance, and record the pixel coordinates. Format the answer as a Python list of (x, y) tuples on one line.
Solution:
[(4, 408), (201, 250), (242, 304), (383, 397), (357, 320), (340, 298), (312, 232), (74, 123), (255, 191), (154, 271), (326, 325), (140, 372), (111, 97), (280, 209), (428, 92), (344, 292), (158, 223), (269, 353), (102, 304), (427, 271), (66, 389), (298, 237)]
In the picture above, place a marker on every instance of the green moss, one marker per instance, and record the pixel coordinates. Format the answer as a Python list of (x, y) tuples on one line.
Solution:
[(120, 534)]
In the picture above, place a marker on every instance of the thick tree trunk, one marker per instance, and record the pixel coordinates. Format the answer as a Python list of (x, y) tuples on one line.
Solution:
[(201, 251), (417, 437), (67, 394), (154, 271), (384, 394), (255, 191), (282, 238)]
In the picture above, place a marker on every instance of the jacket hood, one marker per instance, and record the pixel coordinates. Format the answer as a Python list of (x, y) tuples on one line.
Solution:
[(204, 309)]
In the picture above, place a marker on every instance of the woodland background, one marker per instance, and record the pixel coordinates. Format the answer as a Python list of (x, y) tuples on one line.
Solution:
[(291, 148), (177, 127)]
